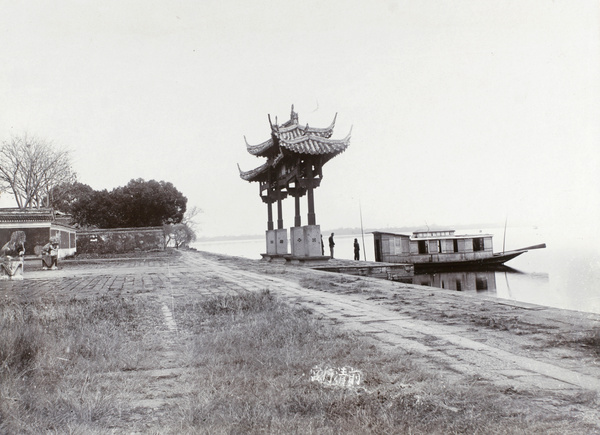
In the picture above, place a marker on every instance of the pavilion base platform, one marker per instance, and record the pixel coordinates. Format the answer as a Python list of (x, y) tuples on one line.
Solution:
[(274, 258), (314, 261), (402, 272)]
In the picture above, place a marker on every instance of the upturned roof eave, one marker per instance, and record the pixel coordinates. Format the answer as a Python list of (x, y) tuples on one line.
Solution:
[(262, 150), (315, 145), (261, 172), (256, 174)]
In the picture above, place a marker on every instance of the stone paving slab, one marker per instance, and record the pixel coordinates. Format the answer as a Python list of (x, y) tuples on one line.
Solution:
[(471, 356), (456, 347)]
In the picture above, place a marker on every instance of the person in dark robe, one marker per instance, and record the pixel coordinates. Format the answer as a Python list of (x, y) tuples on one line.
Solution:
[(331, 245), (356, 250)]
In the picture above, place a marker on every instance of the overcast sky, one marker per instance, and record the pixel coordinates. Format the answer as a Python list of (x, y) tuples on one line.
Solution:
[(462, 111)]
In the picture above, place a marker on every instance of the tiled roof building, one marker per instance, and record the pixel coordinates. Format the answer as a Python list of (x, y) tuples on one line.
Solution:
[(290, 141), (295, 157), (39, 225)]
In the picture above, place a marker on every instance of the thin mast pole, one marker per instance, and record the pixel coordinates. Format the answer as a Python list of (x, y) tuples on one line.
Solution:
[(362, 231), (504, 239)]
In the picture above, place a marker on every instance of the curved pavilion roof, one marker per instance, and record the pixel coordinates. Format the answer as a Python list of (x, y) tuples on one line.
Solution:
[(290, 138), (287, 131)]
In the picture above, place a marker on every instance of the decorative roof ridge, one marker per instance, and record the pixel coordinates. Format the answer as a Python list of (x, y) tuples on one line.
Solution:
[(26, 210), (316, 137), (325, 131), (15, 214), (91, 231), (293, 119)]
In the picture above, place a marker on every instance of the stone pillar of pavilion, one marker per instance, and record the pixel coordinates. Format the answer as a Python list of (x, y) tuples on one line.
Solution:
[(281, 232), (309, 179), (295, 157), (270, 234), (297, 232), (276, 239)]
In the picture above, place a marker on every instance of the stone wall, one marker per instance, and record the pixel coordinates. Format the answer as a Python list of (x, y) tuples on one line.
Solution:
[(120, 240)]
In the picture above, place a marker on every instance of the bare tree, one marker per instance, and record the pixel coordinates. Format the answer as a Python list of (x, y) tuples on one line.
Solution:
[(183, 233), (31, 167), (179, 235), (190, 216)]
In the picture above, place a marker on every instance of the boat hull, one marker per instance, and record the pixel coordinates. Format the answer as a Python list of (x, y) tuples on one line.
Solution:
[(495, 261)]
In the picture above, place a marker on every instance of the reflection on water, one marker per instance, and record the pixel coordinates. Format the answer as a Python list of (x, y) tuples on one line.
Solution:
[(479, 281)]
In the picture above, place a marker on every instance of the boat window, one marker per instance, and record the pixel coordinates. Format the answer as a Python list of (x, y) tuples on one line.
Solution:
[(439, 243), (481, 283), (455, 245), (478, 244), (458, 285), (423, 247)]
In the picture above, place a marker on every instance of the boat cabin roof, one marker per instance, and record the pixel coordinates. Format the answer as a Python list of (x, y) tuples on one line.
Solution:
[(437, 235), (428, 234)]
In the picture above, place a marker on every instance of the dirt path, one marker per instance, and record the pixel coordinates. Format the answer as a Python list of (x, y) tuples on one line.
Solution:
[(523, 349), (437, 329)]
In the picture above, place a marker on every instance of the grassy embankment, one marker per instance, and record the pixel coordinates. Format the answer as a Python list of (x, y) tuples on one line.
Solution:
[(64, 366)]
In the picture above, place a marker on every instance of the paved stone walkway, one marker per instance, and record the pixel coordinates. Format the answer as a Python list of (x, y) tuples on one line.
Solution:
[(462, 354), (457, 350)]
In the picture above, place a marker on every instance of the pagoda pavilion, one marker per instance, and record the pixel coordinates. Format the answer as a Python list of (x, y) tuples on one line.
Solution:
[(295, 155)]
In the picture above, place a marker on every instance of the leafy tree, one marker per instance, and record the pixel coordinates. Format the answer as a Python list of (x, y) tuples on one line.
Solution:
[(104, 211), (30, 168), (77, 199), (138, 204), (150, 203)]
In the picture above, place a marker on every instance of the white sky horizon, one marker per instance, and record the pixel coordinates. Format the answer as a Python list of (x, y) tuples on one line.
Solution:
[(460, 112)]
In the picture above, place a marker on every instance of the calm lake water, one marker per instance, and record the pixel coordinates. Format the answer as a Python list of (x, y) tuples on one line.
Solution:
[(566, 274)]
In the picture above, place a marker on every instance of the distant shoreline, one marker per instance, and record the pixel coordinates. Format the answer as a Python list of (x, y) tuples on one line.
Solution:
[(350, 231)]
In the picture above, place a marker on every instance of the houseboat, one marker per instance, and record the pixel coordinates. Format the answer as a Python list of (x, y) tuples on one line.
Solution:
[(441, 250)]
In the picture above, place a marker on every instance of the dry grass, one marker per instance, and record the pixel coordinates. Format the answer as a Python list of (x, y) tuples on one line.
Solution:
[(592, 340), (253, 354), (69, 367), (51, 354), (588, 340), (339, 283)]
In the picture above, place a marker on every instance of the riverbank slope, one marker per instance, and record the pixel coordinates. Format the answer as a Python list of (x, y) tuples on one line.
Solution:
[(445, 354)]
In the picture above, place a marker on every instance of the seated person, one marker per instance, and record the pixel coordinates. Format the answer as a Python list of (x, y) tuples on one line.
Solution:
[(11, 266), (50, 255)]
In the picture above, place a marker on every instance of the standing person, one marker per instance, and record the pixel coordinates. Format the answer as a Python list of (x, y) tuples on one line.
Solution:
[(331, 244), (356, 250)]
